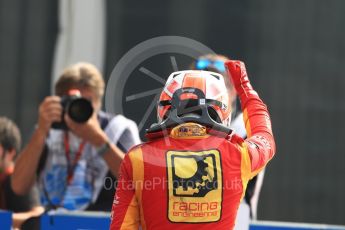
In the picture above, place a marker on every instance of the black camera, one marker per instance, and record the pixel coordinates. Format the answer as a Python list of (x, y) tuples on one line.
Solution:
[(79, 109)]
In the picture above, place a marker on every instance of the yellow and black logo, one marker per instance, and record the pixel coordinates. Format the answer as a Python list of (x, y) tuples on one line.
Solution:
[(195, 186)]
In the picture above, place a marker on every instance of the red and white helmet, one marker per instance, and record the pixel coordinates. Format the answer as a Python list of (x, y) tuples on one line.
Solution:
[(210, 83)]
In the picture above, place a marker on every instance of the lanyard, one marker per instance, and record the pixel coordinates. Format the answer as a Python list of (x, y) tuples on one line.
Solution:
[(71, 165)]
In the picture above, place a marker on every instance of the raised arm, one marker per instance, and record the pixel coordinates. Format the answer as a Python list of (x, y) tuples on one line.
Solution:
[(260, 142)]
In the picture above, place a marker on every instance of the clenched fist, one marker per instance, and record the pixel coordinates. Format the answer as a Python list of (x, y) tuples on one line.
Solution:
[(239, 78)]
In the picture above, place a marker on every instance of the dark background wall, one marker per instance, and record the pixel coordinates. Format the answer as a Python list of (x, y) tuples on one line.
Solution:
[(295, 55), (294, 51), (27, 38)]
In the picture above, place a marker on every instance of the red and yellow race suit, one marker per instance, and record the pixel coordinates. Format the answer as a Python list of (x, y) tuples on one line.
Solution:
[(193, 177)]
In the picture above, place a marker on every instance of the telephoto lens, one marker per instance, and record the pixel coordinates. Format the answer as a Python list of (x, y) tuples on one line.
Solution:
[(79, 109)]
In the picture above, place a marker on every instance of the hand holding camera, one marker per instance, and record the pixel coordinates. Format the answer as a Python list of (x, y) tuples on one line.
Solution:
[(89, 131), (49, 111), (72, 112), (78, 108)]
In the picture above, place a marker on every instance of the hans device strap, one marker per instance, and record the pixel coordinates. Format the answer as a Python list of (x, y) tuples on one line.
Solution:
[(200, 104)]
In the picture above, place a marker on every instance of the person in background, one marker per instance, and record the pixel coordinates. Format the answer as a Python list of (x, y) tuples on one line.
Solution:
[(248, 208), (71, 164), (23, 207)]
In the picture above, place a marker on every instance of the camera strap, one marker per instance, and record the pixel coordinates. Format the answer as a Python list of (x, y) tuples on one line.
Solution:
[(71, 165)]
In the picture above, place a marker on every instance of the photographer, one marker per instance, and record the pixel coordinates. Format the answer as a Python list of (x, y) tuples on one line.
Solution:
[(68, 158)]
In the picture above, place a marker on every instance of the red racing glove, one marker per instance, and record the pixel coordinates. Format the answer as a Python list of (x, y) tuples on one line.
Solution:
[(239, 78), (255, 115)]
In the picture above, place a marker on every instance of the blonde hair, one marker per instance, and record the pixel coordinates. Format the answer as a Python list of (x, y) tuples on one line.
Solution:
[(80, 75)]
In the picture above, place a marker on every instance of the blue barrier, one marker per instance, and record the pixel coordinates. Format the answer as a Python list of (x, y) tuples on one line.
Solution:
[(77, 220), (5, 220), (100, 221)]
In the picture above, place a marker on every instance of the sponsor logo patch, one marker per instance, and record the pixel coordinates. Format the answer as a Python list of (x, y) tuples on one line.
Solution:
[(194, 186)]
